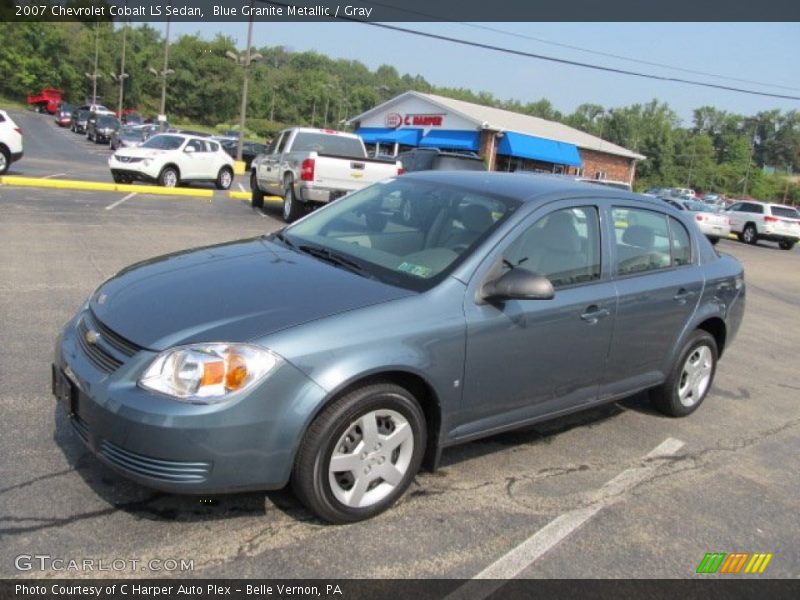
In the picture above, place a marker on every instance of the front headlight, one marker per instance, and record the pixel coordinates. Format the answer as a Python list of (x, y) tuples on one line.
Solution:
[(208, 373)]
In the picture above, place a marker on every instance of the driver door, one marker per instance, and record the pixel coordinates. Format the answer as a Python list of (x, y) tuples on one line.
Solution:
[(528, 358)]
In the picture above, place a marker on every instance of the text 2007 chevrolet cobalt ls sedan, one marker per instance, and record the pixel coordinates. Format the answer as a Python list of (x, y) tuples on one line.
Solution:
[(415, 314)]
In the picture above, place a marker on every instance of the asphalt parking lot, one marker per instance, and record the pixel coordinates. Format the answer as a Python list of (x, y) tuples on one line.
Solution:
[(729, 484)]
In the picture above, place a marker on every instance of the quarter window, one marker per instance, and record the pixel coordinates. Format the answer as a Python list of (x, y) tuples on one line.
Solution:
[(563, 246), (681, 243), (642, 240)]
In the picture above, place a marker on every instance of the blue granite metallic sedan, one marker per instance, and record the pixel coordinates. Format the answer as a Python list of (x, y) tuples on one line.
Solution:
[(343, 353)]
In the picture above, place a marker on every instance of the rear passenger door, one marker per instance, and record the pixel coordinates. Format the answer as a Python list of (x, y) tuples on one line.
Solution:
[(658, 284)]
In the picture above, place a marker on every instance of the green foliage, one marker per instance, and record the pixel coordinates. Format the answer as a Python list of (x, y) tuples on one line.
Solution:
[(719, 152)]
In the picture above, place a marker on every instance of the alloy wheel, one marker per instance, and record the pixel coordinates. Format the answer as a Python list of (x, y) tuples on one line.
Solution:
[(695, 376)]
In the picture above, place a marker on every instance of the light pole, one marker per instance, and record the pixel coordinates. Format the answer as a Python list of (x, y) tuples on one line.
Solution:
[(94, 75), (163, 74), (122, 76), (749, 161), (328, 86), (245, 59)]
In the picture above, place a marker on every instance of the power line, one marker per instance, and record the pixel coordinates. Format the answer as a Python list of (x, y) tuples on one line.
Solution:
[(626, 58), (573, 63)]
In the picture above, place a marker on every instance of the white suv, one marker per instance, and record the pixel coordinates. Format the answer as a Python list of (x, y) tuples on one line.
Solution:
[(10, 142), (752, 221), (171, 158)]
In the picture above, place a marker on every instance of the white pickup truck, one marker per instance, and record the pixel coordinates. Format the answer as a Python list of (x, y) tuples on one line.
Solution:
[(308, 167)]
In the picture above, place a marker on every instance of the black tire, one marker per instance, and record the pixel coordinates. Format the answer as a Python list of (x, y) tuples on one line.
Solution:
[(749, 234), (5, 160), (310, 476), (786, 245), (118, 178), (667, 397), (165, 178), (292, 208), (224, 178), (714, 240), (256, 195)]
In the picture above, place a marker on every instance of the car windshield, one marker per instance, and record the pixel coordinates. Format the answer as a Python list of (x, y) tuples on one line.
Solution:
[(83, 114), (404, 232), (164, 142), (107, 121), (131, 132)]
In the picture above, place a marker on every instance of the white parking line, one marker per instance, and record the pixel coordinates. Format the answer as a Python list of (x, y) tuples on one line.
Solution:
[(241, 187), (118, 202), (520, 558), (53, 175)]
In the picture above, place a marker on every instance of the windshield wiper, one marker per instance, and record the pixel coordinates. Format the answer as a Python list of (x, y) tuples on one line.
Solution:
[(285, 240), (336, 259)]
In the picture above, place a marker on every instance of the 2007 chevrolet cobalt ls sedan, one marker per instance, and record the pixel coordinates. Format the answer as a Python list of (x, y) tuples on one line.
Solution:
[(341, 352)]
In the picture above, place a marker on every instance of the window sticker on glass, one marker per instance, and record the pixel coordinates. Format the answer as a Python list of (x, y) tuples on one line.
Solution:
[(417, 270)]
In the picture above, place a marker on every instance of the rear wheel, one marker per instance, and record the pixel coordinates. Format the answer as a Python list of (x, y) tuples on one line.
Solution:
[(786, 244), (749, 234), (5, 160), (224, 178), (713, 240), (691, 377), (256, 195), (169, 177), (360, 454), (292, 208)]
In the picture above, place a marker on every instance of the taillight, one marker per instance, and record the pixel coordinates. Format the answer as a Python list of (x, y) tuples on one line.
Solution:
[(400, 170), (18, 130), (699, 217), (771, 219), (307, 170)]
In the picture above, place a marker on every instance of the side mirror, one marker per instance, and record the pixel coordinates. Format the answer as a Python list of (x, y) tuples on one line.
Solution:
[(189, 149), (518, 284)]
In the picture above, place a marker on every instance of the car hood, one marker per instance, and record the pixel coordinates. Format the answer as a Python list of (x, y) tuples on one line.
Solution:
[(231, 292)]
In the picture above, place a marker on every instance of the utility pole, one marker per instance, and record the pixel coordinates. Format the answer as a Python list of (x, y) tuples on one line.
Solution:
[(246, 61), (749, 161), (164, 74), (95, 74), (691, 162), (122, 74)]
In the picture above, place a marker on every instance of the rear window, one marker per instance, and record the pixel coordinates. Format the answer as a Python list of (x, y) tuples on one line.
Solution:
[(456, 163), (785, 211), (328, 144)]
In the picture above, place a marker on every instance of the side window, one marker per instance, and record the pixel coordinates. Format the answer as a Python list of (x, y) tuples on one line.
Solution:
[(681, 243), (563, 246), (282, 142), (736, 207), (642, 240), (758, 208), (197, 145), (212, 146)]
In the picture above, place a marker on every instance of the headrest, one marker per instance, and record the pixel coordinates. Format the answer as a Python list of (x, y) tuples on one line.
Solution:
[(640, 236), (476, 218), (560, 233)]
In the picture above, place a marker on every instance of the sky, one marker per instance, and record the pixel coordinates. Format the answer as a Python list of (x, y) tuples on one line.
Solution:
[(762, 53)]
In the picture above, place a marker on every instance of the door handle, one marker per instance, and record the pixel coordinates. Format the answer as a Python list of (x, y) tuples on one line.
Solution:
[(594, 313), (683, 295)]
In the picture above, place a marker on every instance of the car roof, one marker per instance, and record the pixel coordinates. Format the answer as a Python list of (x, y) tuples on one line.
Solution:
[(525, 186)]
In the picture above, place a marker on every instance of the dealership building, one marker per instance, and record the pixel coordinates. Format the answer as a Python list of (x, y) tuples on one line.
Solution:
[(508, 141)]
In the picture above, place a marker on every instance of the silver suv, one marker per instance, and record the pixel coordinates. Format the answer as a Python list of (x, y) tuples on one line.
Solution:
[(752, 221)]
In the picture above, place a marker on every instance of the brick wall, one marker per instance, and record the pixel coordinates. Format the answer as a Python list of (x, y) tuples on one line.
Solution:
[(617, 168)]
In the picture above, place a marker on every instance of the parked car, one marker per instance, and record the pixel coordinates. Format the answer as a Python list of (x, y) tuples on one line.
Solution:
[(10, 142), (434, 159), (311, 167), (64, 114), (100, 127), (171, 159), (752, 221), (340, 352), (128, 136), (80, 116), (249, 150), (131, 117), (713, 224)]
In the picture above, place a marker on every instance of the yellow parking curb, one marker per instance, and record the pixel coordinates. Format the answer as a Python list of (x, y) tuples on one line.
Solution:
[(99, 186), (239, 167), (234, 195)]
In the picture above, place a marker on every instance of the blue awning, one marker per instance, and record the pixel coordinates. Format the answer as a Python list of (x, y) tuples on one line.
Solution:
[(451, 140), (384, 135), (536, 148)]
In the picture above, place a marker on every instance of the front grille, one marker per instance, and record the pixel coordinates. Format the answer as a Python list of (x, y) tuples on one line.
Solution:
[(81, 428), (108, 351), (155, 468)]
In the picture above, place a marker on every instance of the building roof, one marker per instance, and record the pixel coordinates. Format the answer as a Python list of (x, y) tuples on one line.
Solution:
[(487, 117)]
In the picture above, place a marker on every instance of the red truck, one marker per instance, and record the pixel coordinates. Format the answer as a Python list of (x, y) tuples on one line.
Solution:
[(47, 100)]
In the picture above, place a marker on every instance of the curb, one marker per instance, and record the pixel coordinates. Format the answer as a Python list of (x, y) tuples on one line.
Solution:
[(99, 186), (234, 195)]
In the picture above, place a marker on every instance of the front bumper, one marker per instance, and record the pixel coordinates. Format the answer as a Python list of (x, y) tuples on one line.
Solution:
[(245, 444)]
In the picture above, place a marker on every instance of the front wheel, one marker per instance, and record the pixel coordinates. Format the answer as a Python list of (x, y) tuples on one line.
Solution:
[(256, 195), (224, 178), (691, 377), (292, 208), (169, 177), (360, 454), (786, 244)]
